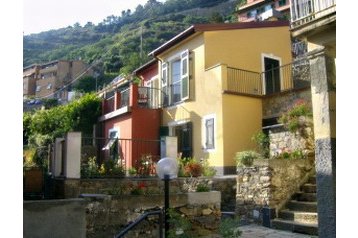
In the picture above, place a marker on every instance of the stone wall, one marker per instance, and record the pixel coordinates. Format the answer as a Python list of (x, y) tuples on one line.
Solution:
[(269, 183), (281, 139), (108, 215), (72, 188), (275, 105)]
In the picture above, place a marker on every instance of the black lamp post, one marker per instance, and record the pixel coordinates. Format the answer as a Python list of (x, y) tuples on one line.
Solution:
[(167, 169)]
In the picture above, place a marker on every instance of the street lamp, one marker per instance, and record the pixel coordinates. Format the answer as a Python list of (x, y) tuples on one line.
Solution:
[(167, 169)]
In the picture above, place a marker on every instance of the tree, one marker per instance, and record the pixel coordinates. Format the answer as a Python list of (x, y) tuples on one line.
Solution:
[(43, 126)]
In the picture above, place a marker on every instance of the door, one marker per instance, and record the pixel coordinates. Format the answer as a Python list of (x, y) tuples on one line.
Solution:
[(184, 133), (272, 75)]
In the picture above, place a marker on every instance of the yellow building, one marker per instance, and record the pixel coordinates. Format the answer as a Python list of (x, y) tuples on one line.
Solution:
[(211, 74)]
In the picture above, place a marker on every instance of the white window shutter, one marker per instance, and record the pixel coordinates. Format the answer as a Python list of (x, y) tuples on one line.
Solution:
[(184, 72)]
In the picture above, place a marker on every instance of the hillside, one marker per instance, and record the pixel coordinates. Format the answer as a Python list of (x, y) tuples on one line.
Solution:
[(119, 44)]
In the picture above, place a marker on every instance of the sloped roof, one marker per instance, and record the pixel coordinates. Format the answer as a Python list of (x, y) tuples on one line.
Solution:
[(215, 27)]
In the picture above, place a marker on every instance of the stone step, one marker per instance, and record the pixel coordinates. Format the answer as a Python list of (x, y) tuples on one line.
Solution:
[(303, 217), (312, 180), (310, 229), (295, 205), (305, 197), (309, 188)]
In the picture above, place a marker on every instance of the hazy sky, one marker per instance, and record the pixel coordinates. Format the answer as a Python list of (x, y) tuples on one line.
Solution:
[(43, 15)]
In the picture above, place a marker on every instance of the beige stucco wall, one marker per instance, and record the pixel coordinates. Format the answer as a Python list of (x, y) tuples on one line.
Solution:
[(242, 118), (243, 48)]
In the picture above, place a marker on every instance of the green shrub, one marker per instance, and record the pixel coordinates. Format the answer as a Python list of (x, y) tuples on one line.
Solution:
[(246, 158), (263, 143), (229, 228), (207, 170), (202, 187)]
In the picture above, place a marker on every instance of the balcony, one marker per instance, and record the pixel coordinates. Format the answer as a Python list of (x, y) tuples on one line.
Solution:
[(307, 11), (118, 102), (293, 76)]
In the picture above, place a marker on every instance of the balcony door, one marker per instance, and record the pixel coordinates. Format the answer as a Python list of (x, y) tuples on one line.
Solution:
[(272, 75)]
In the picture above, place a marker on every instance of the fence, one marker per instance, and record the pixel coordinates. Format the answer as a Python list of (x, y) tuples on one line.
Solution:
[(295, 75), (140, 154), (305, 11)]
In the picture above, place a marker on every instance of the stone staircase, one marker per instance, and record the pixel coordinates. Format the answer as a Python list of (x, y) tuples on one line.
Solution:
[(300, 214)]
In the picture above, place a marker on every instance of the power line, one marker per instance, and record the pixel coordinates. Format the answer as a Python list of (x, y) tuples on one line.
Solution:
[(102, 57)]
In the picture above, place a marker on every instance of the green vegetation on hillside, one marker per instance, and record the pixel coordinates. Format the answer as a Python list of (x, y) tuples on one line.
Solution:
[(121, 43)]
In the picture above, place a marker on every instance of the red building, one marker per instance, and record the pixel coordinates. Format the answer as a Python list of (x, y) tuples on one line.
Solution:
[(131, 114)]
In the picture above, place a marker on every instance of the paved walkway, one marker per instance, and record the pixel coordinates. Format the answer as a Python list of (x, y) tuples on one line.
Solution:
[(256, 231)]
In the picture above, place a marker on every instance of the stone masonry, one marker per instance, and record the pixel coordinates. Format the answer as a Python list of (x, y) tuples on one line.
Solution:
[(269, 183)]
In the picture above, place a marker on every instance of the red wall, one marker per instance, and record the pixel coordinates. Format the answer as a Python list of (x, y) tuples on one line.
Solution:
[(149, 72)]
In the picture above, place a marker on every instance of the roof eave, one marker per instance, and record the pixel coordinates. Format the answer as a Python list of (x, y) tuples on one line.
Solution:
[(184, 34)]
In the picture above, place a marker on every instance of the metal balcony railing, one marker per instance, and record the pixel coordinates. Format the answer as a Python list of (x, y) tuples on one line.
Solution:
[(295, 75), (305, 11), (124, 101), (152, 98), (244, 81)]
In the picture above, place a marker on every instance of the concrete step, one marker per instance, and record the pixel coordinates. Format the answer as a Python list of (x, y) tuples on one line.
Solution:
[(309, 188), (305, 197), (310, 229), (295, 205), (303, 217)]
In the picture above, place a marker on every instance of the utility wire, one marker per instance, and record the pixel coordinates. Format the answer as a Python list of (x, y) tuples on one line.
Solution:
[(96, 61)]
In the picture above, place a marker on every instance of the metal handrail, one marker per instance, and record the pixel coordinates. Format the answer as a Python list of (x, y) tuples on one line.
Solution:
[(139, 220)]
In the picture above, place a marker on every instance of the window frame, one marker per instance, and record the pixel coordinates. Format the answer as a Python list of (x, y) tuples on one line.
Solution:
[(185, 71), (205, 135)]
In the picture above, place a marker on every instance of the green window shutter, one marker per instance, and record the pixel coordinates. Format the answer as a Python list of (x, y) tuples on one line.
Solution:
[(184, 71), (164, 83)]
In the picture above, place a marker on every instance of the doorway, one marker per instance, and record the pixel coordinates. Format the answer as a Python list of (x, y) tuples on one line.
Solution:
[(184, 134), (272, 75)]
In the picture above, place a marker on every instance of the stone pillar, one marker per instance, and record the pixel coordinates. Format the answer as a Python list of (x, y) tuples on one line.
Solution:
[(57, 163), (73, 155), (322, 71), (169, 147)]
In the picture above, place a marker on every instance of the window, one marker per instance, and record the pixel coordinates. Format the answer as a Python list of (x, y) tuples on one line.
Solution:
[(281, 3), (38, 88), (175, 74), (113, 135), (49, 86), (252, 13), (267, 8), (208, 132)]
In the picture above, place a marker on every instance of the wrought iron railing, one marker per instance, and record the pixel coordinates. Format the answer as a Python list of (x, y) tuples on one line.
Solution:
[(295, 75), (142, 154), (244, 81), (152, 98), (158, 213), (304, 11), (124, 98)]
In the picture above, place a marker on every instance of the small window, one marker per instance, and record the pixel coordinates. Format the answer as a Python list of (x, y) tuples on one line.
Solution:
[(209, 129), (281, 3), (49, 86), (113, 137), (38, 88)]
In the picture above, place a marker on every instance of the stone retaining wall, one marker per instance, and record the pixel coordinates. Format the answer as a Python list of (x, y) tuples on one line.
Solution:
[(281, 139), (72, 188), (108, 215), (269, 183), (275, 105)]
